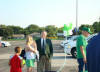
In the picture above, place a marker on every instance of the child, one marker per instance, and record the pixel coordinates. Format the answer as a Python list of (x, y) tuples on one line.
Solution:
[(15, 61), (31, 52)]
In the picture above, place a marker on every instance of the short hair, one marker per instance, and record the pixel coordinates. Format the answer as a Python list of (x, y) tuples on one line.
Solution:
[(17, 49)]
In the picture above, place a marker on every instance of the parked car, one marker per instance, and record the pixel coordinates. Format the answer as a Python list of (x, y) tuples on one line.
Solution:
[(70, 47), (68, 39), (5, 44)]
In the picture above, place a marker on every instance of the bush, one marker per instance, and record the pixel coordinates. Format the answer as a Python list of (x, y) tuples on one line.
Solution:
[(52, 37)]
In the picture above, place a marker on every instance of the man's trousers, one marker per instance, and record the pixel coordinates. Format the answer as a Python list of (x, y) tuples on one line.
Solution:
[(44, 64)]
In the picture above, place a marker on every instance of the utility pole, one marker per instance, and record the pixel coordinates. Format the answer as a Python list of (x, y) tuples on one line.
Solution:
[(76, 16)]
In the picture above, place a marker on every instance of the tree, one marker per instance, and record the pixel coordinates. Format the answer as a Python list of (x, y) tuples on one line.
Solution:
[(60, 30), (32, 28), (96, 26), (41, 29), (16, 29), (5, 31), (51, 30)]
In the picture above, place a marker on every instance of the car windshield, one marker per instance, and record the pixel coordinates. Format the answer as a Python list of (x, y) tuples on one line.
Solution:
[(68, 38), (74, 37)]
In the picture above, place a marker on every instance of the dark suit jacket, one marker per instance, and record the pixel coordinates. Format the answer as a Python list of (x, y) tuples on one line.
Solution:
[(93, 54), (48, 49)]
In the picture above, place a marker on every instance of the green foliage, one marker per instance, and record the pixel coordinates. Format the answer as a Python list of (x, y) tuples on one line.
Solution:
[(32, 28), (16, 29), (8, 31), (5, 31), (51, 30), (26, 32), (96, 26), (41, 29), (60, 30)]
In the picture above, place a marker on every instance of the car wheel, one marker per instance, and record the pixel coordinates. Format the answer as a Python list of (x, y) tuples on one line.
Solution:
[(74, 53), (3, 45)]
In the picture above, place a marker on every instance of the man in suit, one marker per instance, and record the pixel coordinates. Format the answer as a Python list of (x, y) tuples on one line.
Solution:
[(93, 54), (45, 49)]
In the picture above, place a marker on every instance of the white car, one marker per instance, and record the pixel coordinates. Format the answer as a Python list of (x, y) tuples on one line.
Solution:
[(70, 47), (5, 44), (68, 39)]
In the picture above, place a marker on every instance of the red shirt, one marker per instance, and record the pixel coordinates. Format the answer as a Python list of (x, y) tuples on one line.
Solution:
[(15, 64)]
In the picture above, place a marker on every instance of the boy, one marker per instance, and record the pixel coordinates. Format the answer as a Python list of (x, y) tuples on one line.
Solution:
[(81, 49), (15, 61)]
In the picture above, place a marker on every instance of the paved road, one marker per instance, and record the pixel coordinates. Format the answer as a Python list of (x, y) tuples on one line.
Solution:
[(60, 60)]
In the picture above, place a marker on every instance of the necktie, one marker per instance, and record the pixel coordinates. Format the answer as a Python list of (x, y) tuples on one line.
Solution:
[(43, 43), (44, 46)]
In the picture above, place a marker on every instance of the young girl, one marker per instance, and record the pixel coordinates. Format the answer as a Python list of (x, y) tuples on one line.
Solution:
[(31, 50), (15, 61)]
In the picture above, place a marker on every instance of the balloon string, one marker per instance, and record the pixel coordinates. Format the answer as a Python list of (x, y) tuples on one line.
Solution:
[(63, 64)]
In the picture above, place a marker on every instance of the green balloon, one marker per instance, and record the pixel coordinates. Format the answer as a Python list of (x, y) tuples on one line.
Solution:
[(67, 28), (64, 27)]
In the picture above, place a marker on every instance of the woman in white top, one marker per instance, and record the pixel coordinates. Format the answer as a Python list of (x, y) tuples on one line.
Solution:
[(31, 50)]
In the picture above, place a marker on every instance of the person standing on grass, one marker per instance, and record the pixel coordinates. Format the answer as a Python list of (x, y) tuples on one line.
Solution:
[(31, 50), (15, 61), (45, 49), (81, 49)]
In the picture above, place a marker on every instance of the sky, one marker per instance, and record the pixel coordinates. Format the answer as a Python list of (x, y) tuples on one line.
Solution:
[(48, 12)]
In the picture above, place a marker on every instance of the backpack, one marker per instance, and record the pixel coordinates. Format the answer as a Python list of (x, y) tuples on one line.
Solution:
[(23, 54)]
